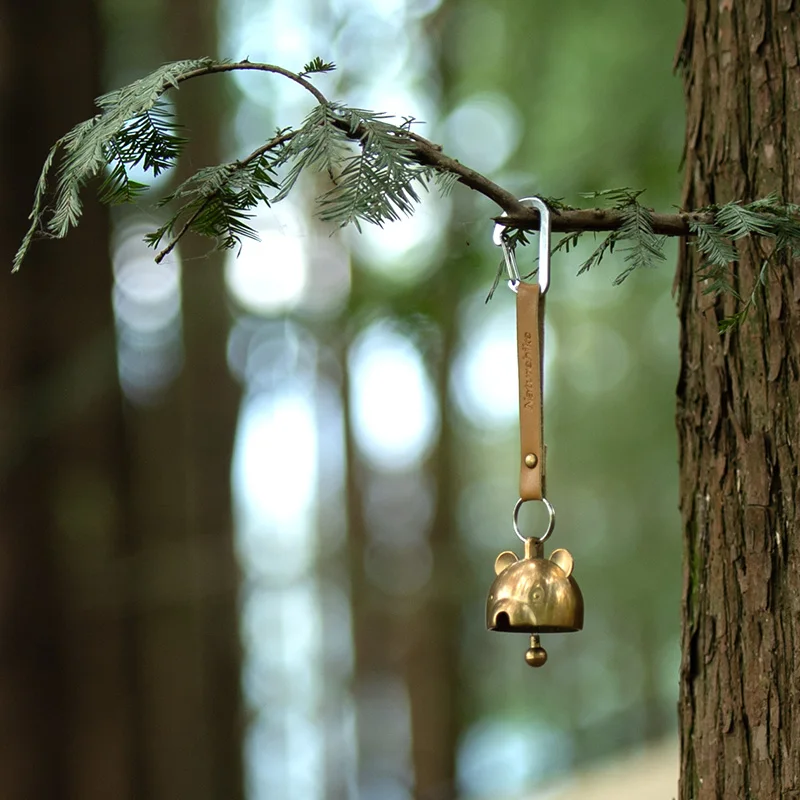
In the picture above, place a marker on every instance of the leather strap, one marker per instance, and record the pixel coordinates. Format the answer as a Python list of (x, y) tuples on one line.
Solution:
[(530, 341)]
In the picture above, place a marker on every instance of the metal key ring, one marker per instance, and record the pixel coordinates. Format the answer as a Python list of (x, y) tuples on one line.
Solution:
[(550, 525), (500, 238)]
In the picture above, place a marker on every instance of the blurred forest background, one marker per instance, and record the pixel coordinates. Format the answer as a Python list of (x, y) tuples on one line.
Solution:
[(249, 507)]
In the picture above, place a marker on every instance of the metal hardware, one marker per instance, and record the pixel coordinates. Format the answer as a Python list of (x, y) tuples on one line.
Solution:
[(534, 595), (535, 655), (551, 523), (500, 238)]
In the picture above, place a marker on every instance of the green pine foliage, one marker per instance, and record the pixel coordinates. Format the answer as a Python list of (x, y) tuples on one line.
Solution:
[(712, 242), (368, 159), (319, 145), (373, 184), (715, 237), (218, 202), (767, 217), (377, 184), (128, 130), (605, 246), (148, 139), (317, 65), (375, 174), (642, 248)]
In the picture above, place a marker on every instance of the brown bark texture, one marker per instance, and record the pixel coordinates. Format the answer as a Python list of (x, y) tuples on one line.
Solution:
[(738, 420)]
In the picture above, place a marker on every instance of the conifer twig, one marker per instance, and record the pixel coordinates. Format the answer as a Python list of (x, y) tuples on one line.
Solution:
[(187, 225), (432, 155), (230, 66), (376, 181)]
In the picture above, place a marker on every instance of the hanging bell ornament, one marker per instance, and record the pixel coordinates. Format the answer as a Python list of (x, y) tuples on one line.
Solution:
[(534, 595)]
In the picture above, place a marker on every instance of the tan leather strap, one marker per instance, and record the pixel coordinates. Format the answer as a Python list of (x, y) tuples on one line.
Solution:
[(530, 341)]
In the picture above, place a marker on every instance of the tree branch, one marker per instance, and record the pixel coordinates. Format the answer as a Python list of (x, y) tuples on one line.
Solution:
[(523, 217), (641, 227), (603, 219), (257, 153), (431, 155), (231, 66), (517, 215)]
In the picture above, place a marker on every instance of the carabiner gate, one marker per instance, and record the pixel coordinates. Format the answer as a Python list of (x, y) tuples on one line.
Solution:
[(500, 238)]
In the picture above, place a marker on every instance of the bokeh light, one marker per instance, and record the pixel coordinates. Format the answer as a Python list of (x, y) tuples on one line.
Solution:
[(394, 412)]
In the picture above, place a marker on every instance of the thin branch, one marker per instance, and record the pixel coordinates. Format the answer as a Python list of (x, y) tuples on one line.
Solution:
[(432, 155), (426, 153), (271, 144), (257, 153), (523, 217), (429, 154), (259, 67), (163, 253), (604, 219)]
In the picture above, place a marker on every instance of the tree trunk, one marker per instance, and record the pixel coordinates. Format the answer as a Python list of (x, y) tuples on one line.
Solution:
[(211, 413), (433, 628), (66, 673), (189, 646), (738, 417)]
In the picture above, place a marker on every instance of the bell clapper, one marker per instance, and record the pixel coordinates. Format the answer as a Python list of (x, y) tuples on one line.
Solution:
[(536, 655)]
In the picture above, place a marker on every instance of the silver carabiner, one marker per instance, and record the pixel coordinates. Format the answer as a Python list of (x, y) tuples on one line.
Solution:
[(500, 238)]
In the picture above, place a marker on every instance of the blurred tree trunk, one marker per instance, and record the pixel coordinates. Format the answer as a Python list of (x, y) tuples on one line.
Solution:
[(433, 631), (67, 681), (190, 652), (373, 623), (738, 417), (414, 638), (212, 411)]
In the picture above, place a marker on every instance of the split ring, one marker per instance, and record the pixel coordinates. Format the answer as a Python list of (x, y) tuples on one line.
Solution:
[(550, 524)]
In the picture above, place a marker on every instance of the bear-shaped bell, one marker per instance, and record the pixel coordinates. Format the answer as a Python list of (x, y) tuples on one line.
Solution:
[(534, 595)]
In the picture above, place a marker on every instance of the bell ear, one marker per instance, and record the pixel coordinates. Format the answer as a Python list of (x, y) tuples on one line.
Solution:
[(563, 559), (504, 560)]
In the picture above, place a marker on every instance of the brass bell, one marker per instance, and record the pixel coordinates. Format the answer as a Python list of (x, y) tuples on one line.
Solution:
[(534, 595)]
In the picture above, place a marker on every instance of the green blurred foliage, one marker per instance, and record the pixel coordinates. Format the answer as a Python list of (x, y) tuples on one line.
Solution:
[(583, 98), (599, 107)]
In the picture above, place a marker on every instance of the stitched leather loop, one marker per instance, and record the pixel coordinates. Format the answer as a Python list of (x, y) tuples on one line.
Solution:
[(530, 340)]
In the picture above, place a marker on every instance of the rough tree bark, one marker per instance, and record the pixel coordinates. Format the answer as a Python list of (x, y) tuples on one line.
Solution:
[(738, 417)]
